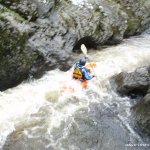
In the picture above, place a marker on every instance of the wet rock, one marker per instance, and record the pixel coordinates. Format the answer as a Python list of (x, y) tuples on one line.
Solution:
[(16, 58), (88, 128), (24, 8), (141, 113), (137, 15), (134, 83)]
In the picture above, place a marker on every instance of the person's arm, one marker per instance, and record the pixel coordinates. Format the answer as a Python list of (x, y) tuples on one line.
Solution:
[(76, 65), (86, 75)]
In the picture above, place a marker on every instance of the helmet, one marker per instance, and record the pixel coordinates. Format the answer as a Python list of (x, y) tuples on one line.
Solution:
[(82, 62)]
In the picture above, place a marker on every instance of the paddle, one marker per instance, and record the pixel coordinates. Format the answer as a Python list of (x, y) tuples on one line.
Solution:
[(84, 51)]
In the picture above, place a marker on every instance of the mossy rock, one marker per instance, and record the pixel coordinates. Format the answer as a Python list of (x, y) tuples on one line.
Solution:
[(16, 59), (24, 8)]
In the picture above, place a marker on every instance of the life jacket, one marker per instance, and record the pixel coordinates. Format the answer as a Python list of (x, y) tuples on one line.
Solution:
[(77, 74)]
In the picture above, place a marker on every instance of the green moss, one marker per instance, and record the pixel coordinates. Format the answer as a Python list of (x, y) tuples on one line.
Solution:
[(8, 2), (10, 37), (28, 12), (133, 20), (4, 10), (2, 18), (99, 29), (97, 9), (69, 22), (117, 1)]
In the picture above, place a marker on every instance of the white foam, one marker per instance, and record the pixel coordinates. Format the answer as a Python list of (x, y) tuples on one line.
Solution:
[(64, 96)]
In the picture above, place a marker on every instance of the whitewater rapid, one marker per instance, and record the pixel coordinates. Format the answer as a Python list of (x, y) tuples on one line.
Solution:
[(51, 111)]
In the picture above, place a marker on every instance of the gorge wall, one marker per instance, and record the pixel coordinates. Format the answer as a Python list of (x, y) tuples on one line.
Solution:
[(37, 35)]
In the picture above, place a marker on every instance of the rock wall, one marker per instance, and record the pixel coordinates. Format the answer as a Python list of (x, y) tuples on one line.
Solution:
[(141, 113), (40, 35), (135, 84)]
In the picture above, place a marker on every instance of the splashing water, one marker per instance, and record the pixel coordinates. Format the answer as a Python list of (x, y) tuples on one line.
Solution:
[(54, 112)]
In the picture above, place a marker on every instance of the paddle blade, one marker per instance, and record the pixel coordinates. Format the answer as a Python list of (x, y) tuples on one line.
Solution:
[(84, 49)]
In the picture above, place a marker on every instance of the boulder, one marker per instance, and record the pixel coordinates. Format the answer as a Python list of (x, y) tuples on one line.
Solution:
[(141, 113), (136, 82), (16, 58), (25, 8)]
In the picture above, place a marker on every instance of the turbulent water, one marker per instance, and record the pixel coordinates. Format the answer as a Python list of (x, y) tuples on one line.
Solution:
[(55, 113)]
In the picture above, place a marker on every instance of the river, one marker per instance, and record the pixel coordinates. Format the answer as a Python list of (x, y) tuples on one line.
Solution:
[(55, 113)]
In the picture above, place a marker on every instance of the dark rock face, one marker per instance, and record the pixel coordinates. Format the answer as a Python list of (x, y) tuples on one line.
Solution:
[(42, 34), (15, 56), (137, 15), (24, 8), (136, 82), (141, 113)]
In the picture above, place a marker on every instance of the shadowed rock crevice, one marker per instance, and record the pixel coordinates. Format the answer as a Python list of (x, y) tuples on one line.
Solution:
[(141, 113), (88, 41)]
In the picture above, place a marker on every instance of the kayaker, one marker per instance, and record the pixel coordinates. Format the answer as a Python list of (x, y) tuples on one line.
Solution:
[(81, 72)]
